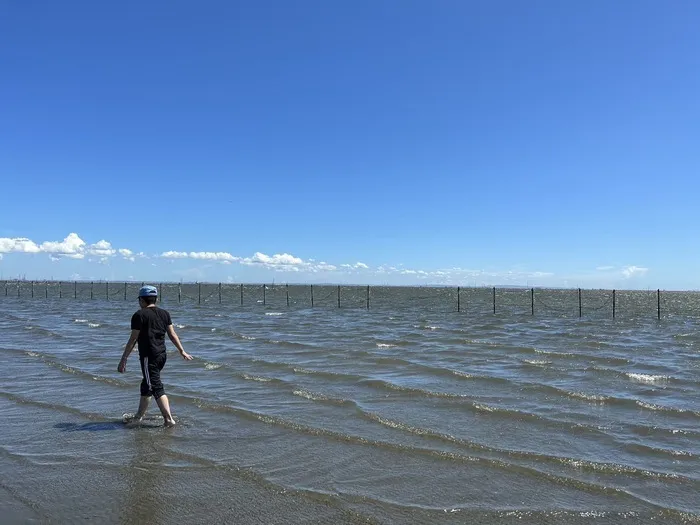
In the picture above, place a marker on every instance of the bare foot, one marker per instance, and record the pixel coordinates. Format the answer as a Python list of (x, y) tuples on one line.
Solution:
[(169, 423)]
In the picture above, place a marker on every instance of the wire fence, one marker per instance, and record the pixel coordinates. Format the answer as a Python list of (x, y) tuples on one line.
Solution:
[(590, 303)]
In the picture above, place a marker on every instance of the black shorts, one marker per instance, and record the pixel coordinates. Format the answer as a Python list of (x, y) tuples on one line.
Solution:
[(150, 368)]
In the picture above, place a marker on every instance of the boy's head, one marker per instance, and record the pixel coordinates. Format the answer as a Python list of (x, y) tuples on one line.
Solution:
[(148, 294)]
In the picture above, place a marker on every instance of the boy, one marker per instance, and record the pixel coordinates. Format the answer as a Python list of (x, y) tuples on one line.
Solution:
[(148, 327)]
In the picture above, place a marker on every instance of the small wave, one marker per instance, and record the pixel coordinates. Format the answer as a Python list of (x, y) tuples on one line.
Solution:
[(668, 410), (661, 451), (94, 325), (29, 328), (385, 345), (33, 354), (213, 329), (256, 378), (386, 385), (555, 354), (212, 366), (180, 326), (274, 313), (537, 362), (645, 378), (311, 396), (80, 320), (595, 398)]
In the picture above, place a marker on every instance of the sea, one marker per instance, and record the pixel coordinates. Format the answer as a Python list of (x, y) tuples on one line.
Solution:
[(326, 404)]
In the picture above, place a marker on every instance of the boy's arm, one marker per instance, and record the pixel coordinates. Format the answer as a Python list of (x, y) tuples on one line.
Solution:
[(176, 341), (127, 350)]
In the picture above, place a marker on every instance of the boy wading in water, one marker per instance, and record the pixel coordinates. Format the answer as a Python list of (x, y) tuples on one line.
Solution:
[(148, 327)]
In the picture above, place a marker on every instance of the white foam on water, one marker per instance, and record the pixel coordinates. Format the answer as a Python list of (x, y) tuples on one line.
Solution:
[(274, 313), (385, 345), (93, 325), (80, 320), (212, 366), (32, 354), (588, 397), (257, 378), (538, 362), (650, 406), (180, 326), (646, 378), (213, 329), (248, 337)]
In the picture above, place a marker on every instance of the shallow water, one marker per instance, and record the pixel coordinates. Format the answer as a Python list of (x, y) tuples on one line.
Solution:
[(409, 412)]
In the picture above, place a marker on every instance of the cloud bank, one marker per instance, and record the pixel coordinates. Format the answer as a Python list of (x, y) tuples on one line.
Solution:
[(102, 251)]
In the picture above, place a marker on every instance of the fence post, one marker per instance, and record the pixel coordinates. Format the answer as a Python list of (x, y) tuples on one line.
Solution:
[(241, 294), (287, 289), (658, 303), (532, 301), (579, 302), (312, 296), (613, 304), (458, 300), (368, 297), (494, 299), (199, 293), (219, 293), (264, 295)]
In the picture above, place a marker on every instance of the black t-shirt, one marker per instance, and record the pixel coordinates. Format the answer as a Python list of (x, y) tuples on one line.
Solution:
[(152, 323)]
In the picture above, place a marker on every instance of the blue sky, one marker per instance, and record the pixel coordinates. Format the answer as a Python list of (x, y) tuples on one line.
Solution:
[(540, 143)]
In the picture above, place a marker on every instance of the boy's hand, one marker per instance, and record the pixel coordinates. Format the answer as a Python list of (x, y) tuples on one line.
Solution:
[(186, 356), (122, 366)]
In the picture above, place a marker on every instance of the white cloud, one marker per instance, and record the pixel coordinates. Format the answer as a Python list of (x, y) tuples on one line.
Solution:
[(214, 256), (605, 268), (127, 254), (361, 265), (71, 245), (102, 248), (18, 244), (174, 255), (283, 259), (632, 271)]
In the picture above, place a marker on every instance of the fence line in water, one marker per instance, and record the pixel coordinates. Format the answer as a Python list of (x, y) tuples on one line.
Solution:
[(565, 302)]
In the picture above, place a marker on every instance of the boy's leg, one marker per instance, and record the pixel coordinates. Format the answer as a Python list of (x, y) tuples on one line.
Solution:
[(145, 389), (164, 406), (154, 369), (143, 406)]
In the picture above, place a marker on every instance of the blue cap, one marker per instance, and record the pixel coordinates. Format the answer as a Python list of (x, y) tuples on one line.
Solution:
[(148, 291)]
